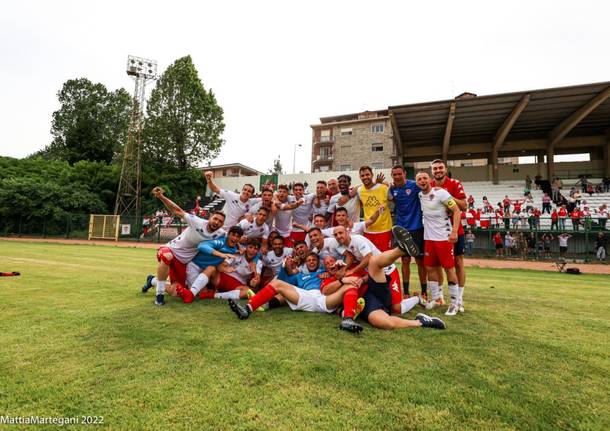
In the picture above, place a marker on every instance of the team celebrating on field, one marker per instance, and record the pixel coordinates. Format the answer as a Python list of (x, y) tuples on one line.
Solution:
[(311, 251)]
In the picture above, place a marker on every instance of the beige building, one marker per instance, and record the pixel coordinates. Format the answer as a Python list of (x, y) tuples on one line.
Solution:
[(231, 170), (346, 142)]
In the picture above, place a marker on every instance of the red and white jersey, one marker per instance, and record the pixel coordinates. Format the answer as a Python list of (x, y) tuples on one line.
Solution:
[(455, 189), (252, 230), (302, 213), (254, 209), (357, 229), (184, 246), (275, 262), (244, 270), (234, 208), (360, 246), (437, 226), (283, 218), (330, 248), (352, 206)]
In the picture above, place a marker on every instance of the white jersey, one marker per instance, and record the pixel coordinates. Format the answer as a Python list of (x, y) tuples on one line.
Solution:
[(357, 229), (244, 270), (563, 241), (322, 209), (234, 208), (254, 209), (275, 262), (330, 248), (302, 213), (283, 218), (360, 247), (437, 226), (252, 230), (352, 206), (184, 246)]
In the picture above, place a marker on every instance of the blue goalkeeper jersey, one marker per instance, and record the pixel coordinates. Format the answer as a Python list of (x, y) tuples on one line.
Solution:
[(205, 258), (407, 208), (309, 281)]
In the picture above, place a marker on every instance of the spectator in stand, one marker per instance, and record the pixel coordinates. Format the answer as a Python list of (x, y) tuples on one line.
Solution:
[(471, 218), (554, 218), (469, 237), (562, 216), (499, 243), (516, 220), (606, 183), (529, 203), (576, 196), (528, 182), (517, 205), (600, 246), (537, 214), (470, 202), (585, 217), (506, 203), (554, 192), (530, 220), (507, 218), (590, 190), (546, 240), (563, 244), (498, 216), (546, 203), (524, 215), (603, 216), (575, 216)]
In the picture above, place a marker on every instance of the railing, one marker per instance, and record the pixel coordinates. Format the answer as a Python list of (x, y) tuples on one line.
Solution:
[(324, 140), (324, 158)]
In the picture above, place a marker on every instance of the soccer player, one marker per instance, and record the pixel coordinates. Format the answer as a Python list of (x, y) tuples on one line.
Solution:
[(236, 205), (321, 200), (323, 246), (456, 190), (210, 255), (302, 213), (267, 202), (358, 228), (275, 257), (302, 293), (407, 212), (440, 235), (257, 228), (378, 299), (283, 217), (173, 257), (343, 199)]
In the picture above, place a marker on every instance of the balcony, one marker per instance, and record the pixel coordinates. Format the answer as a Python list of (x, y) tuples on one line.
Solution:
[(323, 158), (324, 140)]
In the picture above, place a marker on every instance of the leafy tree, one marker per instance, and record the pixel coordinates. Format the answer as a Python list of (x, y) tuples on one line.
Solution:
[(91, 123), (184, 122), (277, 167)]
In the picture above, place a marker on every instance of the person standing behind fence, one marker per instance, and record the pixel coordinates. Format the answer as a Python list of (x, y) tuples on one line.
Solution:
[(554, 219), (499, 244), (563, 244), (546, 241), (603, 216), (600, 246), (575, 216), (469, 237)]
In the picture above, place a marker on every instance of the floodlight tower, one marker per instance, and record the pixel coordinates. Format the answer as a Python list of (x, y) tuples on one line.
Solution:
[(142, 70)]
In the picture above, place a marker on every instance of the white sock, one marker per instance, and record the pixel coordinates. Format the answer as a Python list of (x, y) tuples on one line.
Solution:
[(160, 287), (441, 294), (453, 292), (407, 304), (231, 294), (460, 294), (433, 289), (153, 282), (200, 282)]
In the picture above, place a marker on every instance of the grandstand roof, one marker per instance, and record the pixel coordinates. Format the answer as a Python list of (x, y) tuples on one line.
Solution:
[(439, 128)]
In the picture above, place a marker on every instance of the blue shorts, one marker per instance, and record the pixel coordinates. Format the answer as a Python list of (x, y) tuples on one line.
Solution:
[(377, 297), (458, 247)]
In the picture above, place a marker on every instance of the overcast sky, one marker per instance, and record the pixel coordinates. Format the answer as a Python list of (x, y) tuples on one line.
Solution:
[(276, 67)]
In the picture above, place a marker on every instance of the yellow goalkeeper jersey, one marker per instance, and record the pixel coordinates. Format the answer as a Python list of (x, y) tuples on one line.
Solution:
[(371, 200)]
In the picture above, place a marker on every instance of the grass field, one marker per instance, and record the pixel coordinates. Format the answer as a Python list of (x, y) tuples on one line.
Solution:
[(77, 338)]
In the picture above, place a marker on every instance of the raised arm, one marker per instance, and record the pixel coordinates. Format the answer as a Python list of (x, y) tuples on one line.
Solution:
[(373, 218), (213, 186), (158, 192)]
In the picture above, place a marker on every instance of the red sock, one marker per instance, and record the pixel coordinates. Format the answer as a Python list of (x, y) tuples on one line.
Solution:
[(207, 294), (262, 297), (349, 303)]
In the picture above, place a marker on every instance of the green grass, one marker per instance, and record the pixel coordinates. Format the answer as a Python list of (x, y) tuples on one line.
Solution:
[(77, 338)]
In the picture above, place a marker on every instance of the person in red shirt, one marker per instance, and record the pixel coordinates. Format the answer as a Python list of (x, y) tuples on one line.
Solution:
[(554, 218), (575, 216), (470, 202), (499, 217), (517, 206), (537, 213), (456, 190), (499, 242), (506, 203), (562, 214), (472, 220)]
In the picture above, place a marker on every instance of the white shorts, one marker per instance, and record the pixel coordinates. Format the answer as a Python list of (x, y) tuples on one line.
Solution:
[(310, 300)]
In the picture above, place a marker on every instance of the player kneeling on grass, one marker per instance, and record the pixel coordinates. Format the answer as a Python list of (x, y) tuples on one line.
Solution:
[(378, 298), (211, 254), (302, 293)]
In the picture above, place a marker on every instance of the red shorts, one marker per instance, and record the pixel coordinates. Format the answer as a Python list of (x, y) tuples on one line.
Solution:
[(177, 269), (395, 288), (438, 253), (226, 283), (297, 236), (288, 241), (382, 240)]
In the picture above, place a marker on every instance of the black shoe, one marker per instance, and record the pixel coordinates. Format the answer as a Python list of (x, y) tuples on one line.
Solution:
[(148, 284), (430, 322), (160, 299), (404, 241), (242, 312), (348, 324)]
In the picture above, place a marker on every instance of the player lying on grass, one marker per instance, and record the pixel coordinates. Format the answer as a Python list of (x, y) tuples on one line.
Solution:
[(173, 257), (302, 293), (378, 299), (210, 255)]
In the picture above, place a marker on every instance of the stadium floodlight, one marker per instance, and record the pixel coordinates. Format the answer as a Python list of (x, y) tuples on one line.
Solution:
[(141, 67)]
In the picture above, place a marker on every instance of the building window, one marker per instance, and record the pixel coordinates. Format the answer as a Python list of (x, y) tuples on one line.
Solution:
[(325, 135), (375, 148), (345, 167), (346, 132), (224, 172), (377, 128), (377, 165), (324, 168)]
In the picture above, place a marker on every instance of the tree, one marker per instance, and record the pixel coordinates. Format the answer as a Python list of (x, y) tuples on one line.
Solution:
[(91, 123), (277, 167), (184, 122)]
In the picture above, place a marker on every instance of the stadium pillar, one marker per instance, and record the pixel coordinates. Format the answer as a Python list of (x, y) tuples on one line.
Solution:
[(550, 163), (607, 157), (495, 174)]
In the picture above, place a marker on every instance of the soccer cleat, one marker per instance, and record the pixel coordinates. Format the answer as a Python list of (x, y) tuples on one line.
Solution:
[(452, 310), (461, 308), (422, 301), (184, 293), (359, 307), (404, 241), (430, 322), (148, 284), (434, 302), (160, 299), (348, 324), (242, 312)]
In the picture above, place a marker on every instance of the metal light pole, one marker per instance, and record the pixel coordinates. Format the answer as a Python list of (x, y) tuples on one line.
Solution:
[(294, 157)]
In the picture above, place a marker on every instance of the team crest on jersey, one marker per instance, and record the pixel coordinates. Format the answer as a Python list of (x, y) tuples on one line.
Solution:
[(431, 196), (408, 191)]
